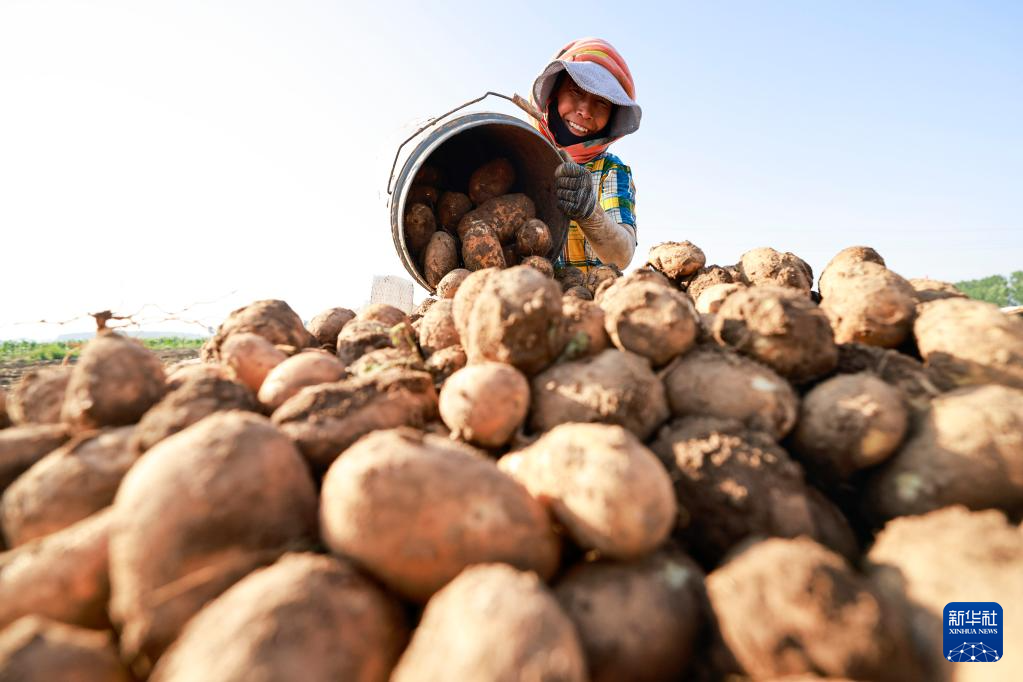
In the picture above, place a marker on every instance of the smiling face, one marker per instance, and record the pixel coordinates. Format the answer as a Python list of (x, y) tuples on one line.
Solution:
[(583, 113)]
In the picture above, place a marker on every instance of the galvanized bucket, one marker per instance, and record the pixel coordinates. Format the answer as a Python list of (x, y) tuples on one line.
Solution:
[(465, 143)]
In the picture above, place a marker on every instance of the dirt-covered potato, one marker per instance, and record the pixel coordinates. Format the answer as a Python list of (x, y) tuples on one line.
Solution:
[(441, 257), (272, 319), (713, 296), (533, 238), (911, 560), (581, 293), (437, 329), (782, 328), (250, 357), (36, 649), (733, 483), (637, 620), (309, 368), (676, 260), (493, 622), (429, 175), (359, 337), (967, 450), (383, 313), (916, 383), (490, 180), (420, 310), (485, 404), (386, 358), (424, 194), (708, 276), (718, 382), (445, 362), (791, 606), (325, 420), (448, 285), (38, 396), (465, 298), (515, 319), (507, 214), (965, 342), (70, 484), (339, 625), (582, 325), (327, 325), (416, 509), (420, 225), (482, 249), (114, 382), (62, 576), (191, 400), (867, 303), (648, 319), (599, 274), (539, 263), (928, 290), (845, 258), (848, 423), (607, 490), (450, 208), (613, 387), (767, 266), (23, 446), (200, 510), (569, 276)]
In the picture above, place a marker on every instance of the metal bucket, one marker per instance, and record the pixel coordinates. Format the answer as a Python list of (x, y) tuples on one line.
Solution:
[(462, 145)]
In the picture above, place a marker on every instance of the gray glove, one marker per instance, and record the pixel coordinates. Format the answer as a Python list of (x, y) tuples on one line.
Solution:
[(574, 187)]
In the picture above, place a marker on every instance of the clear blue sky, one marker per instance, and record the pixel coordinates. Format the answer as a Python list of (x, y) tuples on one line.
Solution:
[(178, 152)]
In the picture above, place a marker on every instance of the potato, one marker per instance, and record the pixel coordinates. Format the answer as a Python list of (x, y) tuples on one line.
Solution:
[(713, 296), (440, 258), (910, 560), (429, 175), (339, 625), (791, 606), (200, 510), (965, 342), (848, 423), (445, 362), (866, 303), (541, 264), (465, 298), (38, 396), (676, 260), (193, 399), (450, 209), (581, 293), (438, 328), (781, 328), (325, 420), (481, 249), (916, 383), (717, 382), (602, 484), (448, 285), (386, 358), (569, 277), (846, 258), (582, 327), (416, 509), (636, 620), (327, 325), (309, 368), (733, 483), (186, 371), (493, 623), (23, 446), (484, 404), (928, 290), (648, 319), (36, 649), (767, 266), (533, 238), (647, 273), (507, 214), (490, 180), (250, 357), (383, 313), (613, 387), (62, 576), (426, 195), (709, 276), (419, 227), (359, 337), (420, 310), (68, 485), (272, 319), (114, 382), (599, 274), (515, 319), (967, 450)]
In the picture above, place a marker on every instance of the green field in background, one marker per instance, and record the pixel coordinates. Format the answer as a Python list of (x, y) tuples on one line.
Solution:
[(57, 350)]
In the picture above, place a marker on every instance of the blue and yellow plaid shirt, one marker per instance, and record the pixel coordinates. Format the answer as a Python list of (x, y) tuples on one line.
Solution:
[(612, 182)]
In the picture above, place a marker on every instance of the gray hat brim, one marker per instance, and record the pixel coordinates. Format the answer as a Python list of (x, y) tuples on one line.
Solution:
[(596, 80)]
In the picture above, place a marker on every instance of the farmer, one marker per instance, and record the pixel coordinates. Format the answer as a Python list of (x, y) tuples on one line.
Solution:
[(586, 101)]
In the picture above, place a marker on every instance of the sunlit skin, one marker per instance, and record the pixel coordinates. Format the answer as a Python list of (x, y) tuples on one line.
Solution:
[(582, 112)]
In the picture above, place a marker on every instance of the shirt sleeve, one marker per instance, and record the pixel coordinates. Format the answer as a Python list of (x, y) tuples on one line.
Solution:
[(618, 194)]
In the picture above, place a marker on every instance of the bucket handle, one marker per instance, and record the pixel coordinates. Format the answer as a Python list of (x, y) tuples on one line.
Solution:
[(517, 100)]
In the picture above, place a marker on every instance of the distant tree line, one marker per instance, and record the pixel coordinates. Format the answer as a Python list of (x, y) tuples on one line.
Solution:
[(998, 289)]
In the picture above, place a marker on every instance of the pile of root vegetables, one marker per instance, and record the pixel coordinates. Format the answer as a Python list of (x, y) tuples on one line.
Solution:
[(486, 226), (690, 472)]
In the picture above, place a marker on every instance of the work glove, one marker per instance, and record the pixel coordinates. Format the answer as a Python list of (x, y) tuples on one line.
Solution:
[(573, 185)]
